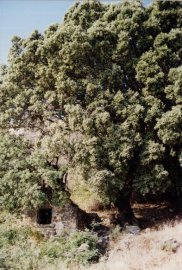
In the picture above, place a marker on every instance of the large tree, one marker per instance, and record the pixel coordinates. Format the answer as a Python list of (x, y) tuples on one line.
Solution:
[(103, 89)]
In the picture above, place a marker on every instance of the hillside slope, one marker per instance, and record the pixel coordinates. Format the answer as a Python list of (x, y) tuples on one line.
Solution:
[(152, 250)]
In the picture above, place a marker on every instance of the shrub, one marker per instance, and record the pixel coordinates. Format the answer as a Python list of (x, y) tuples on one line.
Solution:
[(115, 233), (79, 247)]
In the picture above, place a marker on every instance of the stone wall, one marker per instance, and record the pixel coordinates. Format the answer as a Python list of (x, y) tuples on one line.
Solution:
[(63, 219)]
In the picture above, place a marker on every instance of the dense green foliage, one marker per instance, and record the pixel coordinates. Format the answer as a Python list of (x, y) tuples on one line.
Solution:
[(27, 178), (103, 89)]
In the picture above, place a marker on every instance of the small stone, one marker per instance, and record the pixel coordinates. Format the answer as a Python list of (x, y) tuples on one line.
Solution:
[(132, 229), (127, 244), (103, 259), (170, 245), (83, 247)]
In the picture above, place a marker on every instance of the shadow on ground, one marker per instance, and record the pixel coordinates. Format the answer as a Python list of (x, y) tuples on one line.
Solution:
[(154, 215)]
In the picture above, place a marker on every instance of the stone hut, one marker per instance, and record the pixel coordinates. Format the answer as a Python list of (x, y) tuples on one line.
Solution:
[(53, 220)]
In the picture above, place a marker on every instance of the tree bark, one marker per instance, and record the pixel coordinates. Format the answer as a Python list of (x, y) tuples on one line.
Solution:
[(125, 211)]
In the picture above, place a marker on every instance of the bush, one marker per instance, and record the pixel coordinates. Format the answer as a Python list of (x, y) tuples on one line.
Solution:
[(25, 248), (115, 233), (79, 247)]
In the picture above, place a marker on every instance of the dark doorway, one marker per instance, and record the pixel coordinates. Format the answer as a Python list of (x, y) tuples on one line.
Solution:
[(44, 216)]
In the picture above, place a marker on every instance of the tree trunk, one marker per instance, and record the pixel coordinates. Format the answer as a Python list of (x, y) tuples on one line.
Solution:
[(123, 204)]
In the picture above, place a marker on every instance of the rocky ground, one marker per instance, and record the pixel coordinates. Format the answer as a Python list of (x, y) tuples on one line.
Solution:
[(149, 249), (156, 244)]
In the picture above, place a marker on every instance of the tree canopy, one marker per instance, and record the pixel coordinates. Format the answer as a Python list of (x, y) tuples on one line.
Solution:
[(104, 91)]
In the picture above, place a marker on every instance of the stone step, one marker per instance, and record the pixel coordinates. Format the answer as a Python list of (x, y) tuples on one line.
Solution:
[(44, 226), (48, 234)]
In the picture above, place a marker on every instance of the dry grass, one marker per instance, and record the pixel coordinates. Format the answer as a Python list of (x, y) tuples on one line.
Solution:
[(144, 251)]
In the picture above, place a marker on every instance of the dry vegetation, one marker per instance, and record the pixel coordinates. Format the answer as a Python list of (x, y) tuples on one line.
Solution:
[(145, 251)]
